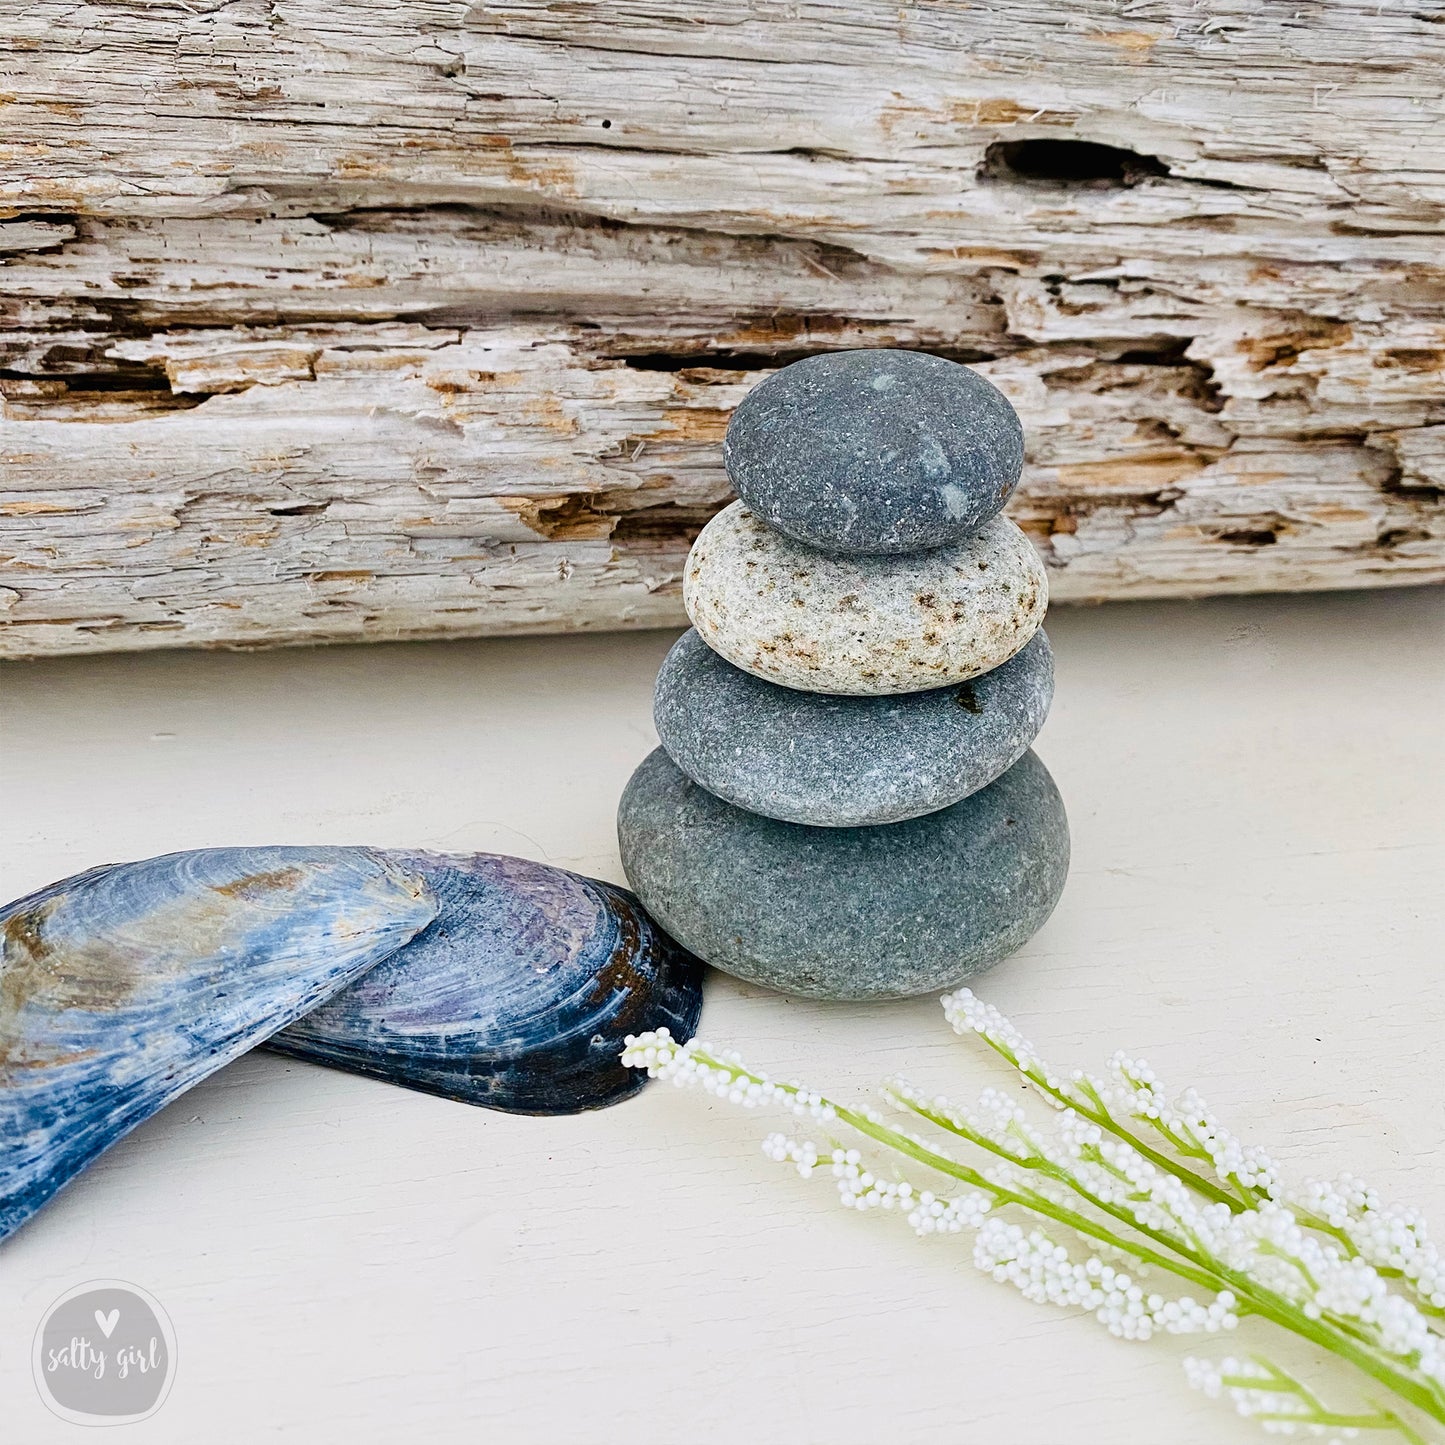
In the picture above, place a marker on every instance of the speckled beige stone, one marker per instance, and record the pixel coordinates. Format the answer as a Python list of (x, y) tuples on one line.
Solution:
[(862, 626)]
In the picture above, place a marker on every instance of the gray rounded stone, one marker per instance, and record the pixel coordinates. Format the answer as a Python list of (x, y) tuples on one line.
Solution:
[(841, 762), (862, 626), (875, 451), (846, 913)]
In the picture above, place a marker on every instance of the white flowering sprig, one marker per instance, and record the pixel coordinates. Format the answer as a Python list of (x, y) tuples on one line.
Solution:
[(1142, 1210), (1131, 1101)]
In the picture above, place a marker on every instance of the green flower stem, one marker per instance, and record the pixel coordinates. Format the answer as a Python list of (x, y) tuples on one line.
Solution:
[(1189, 1265), (1412, 1435), (1199, 1268), (1247, 1197), (1105, 1120), (942, 1164), (1387, 1420), (1030, 1200), (1265, 1303), (1320, 1414)]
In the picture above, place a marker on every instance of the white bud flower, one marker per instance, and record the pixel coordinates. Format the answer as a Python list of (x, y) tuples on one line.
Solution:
[(1125, 1195)]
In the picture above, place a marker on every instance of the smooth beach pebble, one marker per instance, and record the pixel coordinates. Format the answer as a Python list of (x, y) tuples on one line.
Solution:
[(862, 626), (842, 762), (846, 913), (875, 451)]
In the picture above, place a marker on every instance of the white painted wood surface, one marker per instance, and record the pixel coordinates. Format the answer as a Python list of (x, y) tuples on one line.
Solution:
[(423, 318), (1257, 799)]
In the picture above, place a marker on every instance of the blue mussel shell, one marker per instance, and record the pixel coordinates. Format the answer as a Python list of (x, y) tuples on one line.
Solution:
[(517, 997), (486, 979), (125, 986)]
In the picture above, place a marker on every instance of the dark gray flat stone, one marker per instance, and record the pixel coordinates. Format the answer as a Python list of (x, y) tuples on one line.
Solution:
[(875, 451), (841, 762), (847, 913)]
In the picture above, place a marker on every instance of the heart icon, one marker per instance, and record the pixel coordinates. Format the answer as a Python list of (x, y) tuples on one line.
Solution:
[(108, 1322)]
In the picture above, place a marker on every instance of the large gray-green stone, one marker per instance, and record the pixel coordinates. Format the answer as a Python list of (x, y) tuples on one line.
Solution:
[(846, 913), (842, 762), (875, 451)]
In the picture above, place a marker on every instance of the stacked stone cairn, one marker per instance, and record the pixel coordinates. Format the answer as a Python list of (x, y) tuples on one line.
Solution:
[(844, 804)]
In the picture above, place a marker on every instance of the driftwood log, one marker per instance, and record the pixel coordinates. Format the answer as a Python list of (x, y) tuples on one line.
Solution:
[(325, 321)]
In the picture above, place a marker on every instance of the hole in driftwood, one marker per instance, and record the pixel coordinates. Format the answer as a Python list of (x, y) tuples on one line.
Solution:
[(1068, 163), (126, 392), (1171, 352), (1397, 536), (728, 360)]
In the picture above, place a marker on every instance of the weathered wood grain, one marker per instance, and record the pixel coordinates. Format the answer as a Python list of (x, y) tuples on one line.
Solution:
[(325, 322)]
